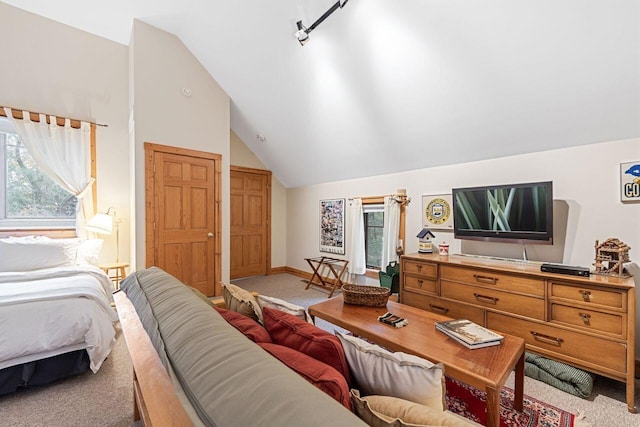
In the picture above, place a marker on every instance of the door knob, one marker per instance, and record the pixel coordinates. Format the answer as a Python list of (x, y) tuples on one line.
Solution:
[(209, 234)]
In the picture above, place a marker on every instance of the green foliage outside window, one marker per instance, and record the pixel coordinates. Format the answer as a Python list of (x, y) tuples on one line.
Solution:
[(30, 193), (374, 223)]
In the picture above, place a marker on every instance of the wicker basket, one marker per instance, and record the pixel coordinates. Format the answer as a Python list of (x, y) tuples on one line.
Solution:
[(373, 296)]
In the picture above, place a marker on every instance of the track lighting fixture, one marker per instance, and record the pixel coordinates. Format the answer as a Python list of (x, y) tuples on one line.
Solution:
[(303, 32)]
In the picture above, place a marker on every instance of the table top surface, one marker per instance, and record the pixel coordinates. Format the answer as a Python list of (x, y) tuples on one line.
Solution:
[(114, 265), (482, 367)]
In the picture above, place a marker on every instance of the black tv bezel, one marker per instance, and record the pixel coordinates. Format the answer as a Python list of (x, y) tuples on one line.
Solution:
[(508, 236)]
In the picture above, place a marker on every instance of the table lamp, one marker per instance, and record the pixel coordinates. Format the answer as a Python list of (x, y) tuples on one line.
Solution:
[(102, 223)]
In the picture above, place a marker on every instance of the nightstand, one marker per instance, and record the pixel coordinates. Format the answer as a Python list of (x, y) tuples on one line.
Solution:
[(116, 272)]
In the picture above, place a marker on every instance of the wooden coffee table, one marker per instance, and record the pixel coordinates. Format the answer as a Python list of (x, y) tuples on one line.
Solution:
[(484, 368)]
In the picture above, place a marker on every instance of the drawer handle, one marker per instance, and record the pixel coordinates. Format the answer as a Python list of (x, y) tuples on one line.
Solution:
[(438, 308), (547, 339), (484, 298), (585, 318), (420, 283), (586, 295), (486, 279), (419, 267)]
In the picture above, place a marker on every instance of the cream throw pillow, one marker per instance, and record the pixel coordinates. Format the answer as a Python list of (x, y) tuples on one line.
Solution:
[(380, 372), (386, 411), (287, 307), (241, 301)]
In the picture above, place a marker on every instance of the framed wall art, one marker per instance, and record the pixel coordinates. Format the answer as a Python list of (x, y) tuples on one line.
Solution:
[(437, 212), (630, 182), (332, 226)]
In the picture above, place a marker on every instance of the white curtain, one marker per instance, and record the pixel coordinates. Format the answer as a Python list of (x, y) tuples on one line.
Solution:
[(355, 238), (390, 231), (64, 154)]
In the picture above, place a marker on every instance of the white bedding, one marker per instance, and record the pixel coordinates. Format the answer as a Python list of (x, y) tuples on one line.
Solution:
[(52, 311)]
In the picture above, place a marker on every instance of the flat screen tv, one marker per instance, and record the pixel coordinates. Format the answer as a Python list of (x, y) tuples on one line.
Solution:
[(515, 213)]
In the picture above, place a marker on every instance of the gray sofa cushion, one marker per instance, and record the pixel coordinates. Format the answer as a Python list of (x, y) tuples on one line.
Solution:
[(131, 287), (229, 380)]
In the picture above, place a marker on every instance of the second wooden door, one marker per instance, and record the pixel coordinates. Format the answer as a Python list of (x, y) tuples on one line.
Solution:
[(250, 222)]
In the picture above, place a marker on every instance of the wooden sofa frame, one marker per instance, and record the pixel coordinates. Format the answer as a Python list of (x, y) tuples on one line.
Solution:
[(155, 402), (154, 397)]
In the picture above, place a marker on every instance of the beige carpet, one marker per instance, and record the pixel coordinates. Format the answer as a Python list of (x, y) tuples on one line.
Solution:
[(105, 398), (101, 399)]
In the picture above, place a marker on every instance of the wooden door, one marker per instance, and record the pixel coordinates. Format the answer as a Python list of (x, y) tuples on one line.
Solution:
[(183, 215), (250, 222)]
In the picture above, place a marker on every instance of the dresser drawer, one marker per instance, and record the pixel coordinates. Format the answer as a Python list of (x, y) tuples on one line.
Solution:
[(593, 350), (589, 319), (494, 299), (453, 309), (425, 269), (508, 282), (590, 296), (420, 284)]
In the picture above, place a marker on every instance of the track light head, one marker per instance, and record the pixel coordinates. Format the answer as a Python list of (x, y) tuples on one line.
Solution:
[(302, 34)]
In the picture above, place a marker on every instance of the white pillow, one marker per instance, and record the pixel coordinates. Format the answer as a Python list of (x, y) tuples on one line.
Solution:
[(33, 253), (287, 307), (380, 372), (89, 252)]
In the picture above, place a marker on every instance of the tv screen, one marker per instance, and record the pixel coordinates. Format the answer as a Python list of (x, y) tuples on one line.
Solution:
[(517, 213)]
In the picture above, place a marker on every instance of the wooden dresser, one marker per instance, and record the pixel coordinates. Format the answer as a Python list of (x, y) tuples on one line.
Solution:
[(587, 322)]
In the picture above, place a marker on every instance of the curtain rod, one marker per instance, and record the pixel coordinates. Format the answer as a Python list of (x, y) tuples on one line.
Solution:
[(400, 197), (2, 113), (372, 197)]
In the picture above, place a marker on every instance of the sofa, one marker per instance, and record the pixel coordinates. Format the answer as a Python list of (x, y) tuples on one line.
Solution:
[(195, 364)]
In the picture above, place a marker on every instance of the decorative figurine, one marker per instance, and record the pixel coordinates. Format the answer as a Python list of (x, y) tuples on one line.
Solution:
[(610, 257), (424, 245)]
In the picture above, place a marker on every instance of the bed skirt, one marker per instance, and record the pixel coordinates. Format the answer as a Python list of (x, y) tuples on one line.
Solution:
[(42, 372)]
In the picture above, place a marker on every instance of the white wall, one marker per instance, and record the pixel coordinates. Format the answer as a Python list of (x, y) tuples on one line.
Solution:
[(586, 182), (51, 68), (162, 66), (242, 156)]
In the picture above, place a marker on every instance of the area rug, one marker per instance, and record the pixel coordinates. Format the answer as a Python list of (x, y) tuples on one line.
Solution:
[(471, 403)]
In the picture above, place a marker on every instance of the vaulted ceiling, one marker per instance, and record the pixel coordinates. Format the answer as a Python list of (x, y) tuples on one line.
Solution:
[(392, 85)]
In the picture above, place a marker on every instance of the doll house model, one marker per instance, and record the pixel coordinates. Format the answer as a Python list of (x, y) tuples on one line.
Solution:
[(611, 256)]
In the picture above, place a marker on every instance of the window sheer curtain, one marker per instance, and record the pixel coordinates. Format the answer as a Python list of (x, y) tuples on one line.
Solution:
[(355, 239), (64, 154), (390, 231)]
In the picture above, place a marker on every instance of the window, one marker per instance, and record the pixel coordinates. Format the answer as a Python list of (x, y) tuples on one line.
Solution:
[(373, 225), (28, 197)]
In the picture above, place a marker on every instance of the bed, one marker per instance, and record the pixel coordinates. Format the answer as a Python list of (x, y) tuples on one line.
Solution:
[(56, 317)]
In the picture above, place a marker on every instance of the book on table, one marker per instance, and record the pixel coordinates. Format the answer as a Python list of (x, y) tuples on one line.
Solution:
[(468, 333)]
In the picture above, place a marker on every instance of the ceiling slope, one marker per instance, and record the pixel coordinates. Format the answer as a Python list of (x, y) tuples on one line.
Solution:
[(386, 86)]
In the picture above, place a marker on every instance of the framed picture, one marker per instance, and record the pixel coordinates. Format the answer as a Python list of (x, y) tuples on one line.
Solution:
[(630, 182), (332, 226), (437, 212)]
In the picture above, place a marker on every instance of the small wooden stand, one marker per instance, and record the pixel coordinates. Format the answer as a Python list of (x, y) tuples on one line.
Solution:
[(331, 263), (117, 274)]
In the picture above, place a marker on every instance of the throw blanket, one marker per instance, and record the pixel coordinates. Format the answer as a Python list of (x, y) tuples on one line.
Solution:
[(53, 311), (561, 376)]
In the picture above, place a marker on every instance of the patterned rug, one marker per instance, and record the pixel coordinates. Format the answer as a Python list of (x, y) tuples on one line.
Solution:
[(471, 403)]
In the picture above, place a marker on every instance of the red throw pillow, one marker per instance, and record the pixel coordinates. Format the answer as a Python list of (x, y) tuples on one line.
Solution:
[(249, 327), (291, 331), (317, 373)]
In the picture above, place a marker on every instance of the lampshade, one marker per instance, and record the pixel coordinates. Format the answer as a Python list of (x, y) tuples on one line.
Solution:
[(101, 223)]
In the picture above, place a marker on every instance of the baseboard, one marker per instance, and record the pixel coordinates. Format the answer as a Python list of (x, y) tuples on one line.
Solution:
[(277, 270)]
